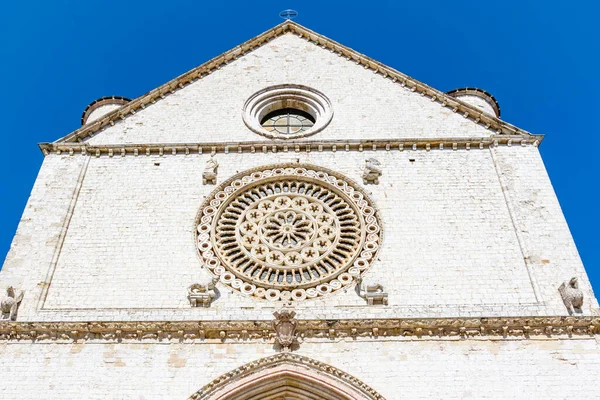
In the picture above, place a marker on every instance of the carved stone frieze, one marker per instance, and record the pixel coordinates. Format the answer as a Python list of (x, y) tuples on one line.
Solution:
[(264, 330)]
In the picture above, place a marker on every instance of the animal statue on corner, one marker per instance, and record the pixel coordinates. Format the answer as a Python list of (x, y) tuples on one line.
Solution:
[(572, 296), (10, 304)]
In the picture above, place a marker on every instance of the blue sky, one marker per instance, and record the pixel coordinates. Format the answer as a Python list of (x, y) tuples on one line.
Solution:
[(540, 59)]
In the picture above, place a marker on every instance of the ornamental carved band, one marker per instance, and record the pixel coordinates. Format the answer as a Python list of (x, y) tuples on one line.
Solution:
[(288, 233)]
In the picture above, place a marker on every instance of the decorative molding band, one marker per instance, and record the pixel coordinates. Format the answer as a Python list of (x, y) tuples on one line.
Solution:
[(121, 150), (445, 100), (198, 331)]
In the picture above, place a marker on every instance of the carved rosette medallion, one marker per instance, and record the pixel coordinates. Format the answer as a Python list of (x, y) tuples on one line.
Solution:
[(288, 233)]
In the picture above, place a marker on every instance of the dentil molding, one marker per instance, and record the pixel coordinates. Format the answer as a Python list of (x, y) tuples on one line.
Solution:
[(304, 146)]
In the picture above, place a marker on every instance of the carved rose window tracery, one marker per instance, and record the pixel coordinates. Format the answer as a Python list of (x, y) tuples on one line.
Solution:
[(287, 233)]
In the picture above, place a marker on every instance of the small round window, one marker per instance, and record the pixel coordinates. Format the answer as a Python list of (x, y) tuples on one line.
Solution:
[(287, 112), (287, 121)]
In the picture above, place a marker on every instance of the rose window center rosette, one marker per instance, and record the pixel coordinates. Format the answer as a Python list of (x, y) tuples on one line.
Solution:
[(288, 233)]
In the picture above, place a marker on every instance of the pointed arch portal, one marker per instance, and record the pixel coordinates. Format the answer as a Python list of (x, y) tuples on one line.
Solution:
[(286, 377)]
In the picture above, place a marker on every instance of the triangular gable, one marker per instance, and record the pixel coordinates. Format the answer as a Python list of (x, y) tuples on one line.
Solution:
[(470, 112)]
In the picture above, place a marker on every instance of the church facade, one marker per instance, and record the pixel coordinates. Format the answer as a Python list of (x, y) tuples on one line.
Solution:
[(295, 220)]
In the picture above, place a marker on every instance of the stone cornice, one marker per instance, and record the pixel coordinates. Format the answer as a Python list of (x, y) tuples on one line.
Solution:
[(445, 100), (217, 331), (289, 146)]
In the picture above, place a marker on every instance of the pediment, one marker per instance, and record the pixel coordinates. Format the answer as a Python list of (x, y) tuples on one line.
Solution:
[(369, 101)]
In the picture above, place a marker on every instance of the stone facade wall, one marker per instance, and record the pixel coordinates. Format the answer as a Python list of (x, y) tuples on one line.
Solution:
[(463, 236), (540, 224), (544, 369), (36, 244), (469, 234), (466, 232)]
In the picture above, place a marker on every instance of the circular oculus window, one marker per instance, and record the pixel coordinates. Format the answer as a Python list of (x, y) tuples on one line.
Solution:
[(288, 233), (287, 121), (287, 111)]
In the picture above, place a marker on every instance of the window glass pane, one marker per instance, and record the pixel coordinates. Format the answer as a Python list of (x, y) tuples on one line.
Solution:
[(287, 121)]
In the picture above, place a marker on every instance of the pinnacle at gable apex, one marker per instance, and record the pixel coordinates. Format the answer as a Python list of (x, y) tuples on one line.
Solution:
[(460, 105)]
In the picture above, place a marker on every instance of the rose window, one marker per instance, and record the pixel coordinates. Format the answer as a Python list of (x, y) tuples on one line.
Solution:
[(287, 233), (287, 229)]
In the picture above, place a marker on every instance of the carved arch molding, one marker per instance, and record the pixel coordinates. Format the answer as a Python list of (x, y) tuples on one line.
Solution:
[(286, 376)]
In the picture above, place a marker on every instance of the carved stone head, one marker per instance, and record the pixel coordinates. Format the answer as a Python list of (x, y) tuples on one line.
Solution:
[(574, 283), (212, 165), (372, 161)]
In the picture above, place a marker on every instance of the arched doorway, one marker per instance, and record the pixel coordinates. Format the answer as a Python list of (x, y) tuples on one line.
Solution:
[(286, 376)]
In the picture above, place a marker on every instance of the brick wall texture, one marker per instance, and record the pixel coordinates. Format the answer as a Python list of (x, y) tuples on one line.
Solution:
[(397, 370)]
